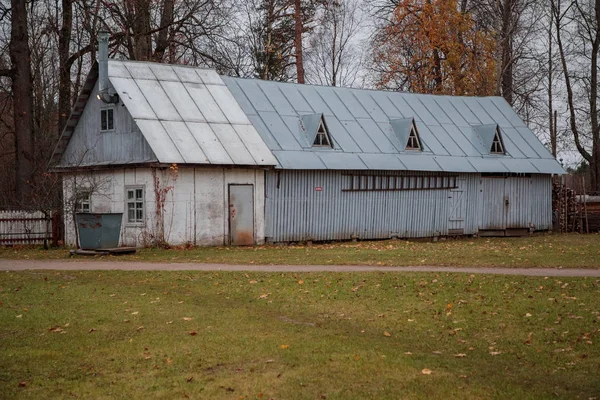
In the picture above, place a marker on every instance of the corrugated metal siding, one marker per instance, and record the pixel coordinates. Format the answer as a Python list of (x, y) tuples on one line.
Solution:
[(296, 211), (529, 202), (541, 202)]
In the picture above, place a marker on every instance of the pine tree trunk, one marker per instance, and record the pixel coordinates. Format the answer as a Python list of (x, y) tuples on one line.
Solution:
[(22, 101), (298, 41)]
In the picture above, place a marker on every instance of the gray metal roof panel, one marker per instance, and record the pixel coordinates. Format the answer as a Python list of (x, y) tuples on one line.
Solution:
[(374, 132), (160, 142), (209, 143), (316, 102), (436, 111), (547, 166), (487, 164), (226, 102), (387, 129), (158, 99), (519, 165), (139, 70), (295, 98), (334, 103), (382, 161), (352, 104), (419, 162), (280, 131), (235, 147), (435, 137), (413, 103), (481, 113), (170, 105), (164, 72), (277, 99), (386, 105), (463, 142), (333, 160), (184, 141), (182, 101), (239, 96), (508, 112), (259, 101), (132, 97), (516, 138), (206, 103), (340, 136), (530, 137), (254, 144), (361, 137), (454, 164), (299, 160), (445, 104), (187, 75), (492, 109), (265, 132), (371, 106)]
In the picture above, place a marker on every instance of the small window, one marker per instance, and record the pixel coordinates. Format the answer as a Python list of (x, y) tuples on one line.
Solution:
[(497, 147), (413, 139), (322, 138), (107, 121), (135, 205), (83, 202)]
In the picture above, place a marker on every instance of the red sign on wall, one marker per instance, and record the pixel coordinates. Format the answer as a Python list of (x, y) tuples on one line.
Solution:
[(318, 189)]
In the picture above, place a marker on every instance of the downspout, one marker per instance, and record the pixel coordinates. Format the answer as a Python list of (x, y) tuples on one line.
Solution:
[(103, 70)]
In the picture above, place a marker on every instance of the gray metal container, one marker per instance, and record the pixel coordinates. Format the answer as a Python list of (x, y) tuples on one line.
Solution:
[(98, 231)]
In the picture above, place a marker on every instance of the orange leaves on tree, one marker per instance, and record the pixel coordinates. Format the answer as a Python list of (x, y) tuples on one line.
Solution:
[(432, 47)]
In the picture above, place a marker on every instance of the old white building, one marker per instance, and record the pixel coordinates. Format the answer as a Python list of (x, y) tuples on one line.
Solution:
[(190, 157)]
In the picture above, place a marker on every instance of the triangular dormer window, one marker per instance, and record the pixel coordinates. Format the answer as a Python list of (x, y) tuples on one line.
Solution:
[(497, 147), (322, 137), (413, 142)]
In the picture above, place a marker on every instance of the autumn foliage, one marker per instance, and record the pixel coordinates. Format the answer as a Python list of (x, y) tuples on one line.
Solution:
[(430, 46)]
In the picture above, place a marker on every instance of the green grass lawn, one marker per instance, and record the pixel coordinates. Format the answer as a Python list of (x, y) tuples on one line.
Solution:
[(568, 251), (238, 335)]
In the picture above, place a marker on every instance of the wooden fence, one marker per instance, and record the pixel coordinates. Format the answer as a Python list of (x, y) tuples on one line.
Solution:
[(23, 227)]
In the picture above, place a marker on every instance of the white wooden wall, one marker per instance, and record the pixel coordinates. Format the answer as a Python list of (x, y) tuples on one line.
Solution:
[(196, 210)]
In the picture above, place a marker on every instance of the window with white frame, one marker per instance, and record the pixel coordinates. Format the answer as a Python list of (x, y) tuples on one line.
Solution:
[(107, 120), (83, 203), (322, 137), (413, 139), (497, 147), (135, 204)]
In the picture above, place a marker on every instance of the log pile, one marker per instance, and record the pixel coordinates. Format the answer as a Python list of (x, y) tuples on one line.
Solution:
[(566, 210)]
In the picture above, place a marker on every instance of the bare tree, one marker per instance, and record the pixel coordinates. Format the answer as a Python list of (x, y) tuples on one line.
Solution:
[(334, 58), (577, 24)]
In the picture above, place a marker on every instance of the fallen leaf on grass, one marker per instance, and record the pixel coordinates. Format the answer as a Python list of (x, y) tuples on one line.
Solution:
[(193, 333), (460, 355), (495, 353), (426, 371), (300, 282), (22, 384), (252, 282), (264, 296), (187, 319), (408, 353), (386, 333), (284, 346), (135, 313), (527, 315), (91, 330), (20, 316), (169, 360)]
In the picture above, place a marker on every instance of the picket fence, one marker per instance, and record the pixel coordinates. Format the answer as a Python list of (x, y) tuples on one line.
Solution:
[(23, 227)]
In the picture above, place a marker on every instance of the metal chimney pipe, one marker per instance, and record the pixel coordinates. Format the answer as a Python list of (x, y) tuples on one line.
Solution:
[(103, 69)]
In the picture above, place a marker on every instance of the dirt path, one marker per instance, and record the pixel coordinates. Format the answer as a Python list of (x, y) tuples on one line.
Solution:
[(20, 265)]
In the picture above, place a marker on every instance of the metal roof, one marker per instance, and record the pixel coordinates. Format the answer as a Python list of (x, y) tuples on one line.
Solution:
[(187, 114), (365, 128)]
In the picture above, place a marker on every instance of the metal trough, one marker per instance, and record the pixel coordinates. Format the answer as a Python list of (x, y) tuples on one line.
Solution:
[(98, 231)]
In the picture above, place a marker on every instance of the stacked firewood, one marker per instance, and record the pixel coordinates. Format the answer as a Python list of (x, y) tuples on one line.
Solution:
[(566, 210)]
